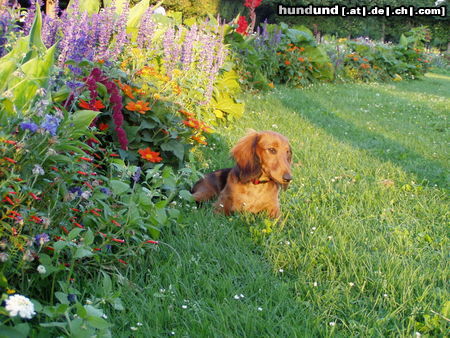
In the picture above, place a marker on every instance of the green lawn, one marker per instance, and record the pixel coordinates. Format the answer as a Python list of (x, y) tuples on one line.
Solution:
[(361, 249)]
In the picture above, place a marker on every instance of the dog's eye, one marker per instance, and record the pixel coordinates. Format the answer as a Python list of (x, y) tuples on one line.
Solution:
[(272, 150)]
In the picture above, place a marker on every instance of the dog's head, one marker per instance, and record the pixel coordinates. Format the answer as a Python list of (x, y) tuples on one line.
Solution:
[(265, 153)]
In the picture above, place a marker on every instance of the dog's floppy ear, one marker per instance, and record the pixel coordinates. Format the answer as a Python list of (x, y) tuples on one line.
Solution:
[(247, 160)]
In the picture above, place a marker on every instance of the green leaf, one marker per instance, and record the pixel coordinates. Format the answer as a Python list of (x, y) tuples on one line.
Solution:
[(119, 187), (82, 252), (18, 331), (107, 284), (82, 119), (92, 311), (90, 6), (175, 147), (98, 323), (88, 237), (74, 233), (3, 281), (118, 4), (35, 41), (186, 195), (58, 246), (54, 324), (134, 18)]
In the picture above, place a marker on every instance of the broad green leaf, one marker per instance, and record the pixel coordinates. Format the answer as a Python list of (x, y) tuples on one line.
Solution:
[(36, 75), (35, 41), (17, 331), (90, 6), (175, 147), (118, 4), (135, 16), (98, 323), (58, 246), (119, 187), (82, 252), (74, 233), (186, 195), (7, 67), (224, 102), (82, 119), (88, 237)]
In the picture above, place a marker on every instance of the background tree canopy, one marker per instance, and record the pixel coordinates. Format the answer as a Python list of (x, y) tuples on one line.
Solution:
[(380, 28)]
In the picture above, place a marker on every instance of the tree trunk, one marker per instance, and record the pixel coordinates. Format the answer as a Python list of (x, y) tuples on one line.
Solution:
[(50, 9)]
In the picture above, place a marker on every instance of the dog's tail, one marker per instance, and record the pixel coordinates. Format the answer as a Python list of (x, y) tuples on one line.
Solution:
[(210, 186)]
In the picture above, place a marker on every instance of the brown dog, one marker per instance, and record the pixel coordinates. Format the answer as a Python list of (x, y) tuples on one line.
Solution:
[(263, 166)]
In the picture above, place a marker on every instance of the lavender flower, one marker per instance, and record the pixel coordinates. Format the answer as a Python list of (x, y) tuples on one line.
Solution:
[(38, 170), (31, 126), (41, 239), (74, 85), (137, 175), (146, 30), (188, 45), (105, 191), (50, 124)]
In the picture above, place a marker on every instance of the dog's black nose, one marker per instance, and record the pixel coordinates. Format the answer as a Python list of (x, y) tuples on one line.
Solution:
[(287, 177)]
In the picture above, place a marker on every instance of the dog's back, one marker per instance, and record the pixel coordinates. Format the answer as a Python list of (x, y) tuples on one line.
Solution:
[(211, 185)]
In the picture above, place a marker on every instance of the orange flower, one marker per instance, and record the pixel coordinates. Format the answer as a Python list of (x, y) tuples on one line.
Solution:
[(200, 139), (88, 105), (149, 155), (271, 85), (366, 60), (287, 62), (301, 49), (186, 113), (138, 106), (355, 58), (127, 90), (301, 59), (196, 124)]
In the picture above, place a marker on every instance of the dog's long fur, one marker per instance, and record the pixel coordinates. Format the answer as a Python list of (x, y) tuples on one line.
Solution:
[(263, 166)]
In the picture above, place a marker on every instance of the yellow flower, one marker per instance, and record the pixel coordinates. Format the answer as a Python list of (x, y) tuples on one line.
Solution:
[(176, 72)]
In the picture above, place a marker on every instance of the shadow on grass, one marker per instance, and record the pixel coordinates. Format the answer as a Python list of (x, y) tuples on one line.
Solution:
[(377, 145)]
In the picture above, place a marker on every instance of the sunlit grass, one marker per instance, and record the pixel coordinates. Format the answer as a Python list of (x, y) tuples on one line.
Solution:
[(361, 248)]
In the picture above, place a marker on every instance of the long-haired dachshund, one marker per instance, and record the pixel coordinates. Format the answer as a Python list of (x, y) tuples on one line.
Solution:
[(263, 166)]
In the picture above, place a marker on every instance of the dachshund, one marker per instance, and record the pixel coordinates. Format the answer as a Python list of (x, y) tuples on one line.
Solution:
[(263, 166)]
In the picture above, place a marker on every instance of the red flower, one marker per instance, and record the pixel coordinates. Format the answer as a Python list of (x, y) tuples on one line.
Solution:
[(96, 105), (10, 160), (103, 126), (252, 3), (243, 25)]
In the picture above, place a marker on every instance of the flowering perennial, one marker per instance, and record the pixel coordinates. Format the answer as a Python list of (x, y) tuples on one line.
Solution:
[(20, 305)]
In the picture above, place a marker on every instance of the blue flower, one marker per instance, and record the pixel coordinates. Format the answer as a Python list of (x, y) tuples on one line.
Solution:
[(50, 124), (41, 239), (76, 190), (74, 85), (105, 191), (33, 127)]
